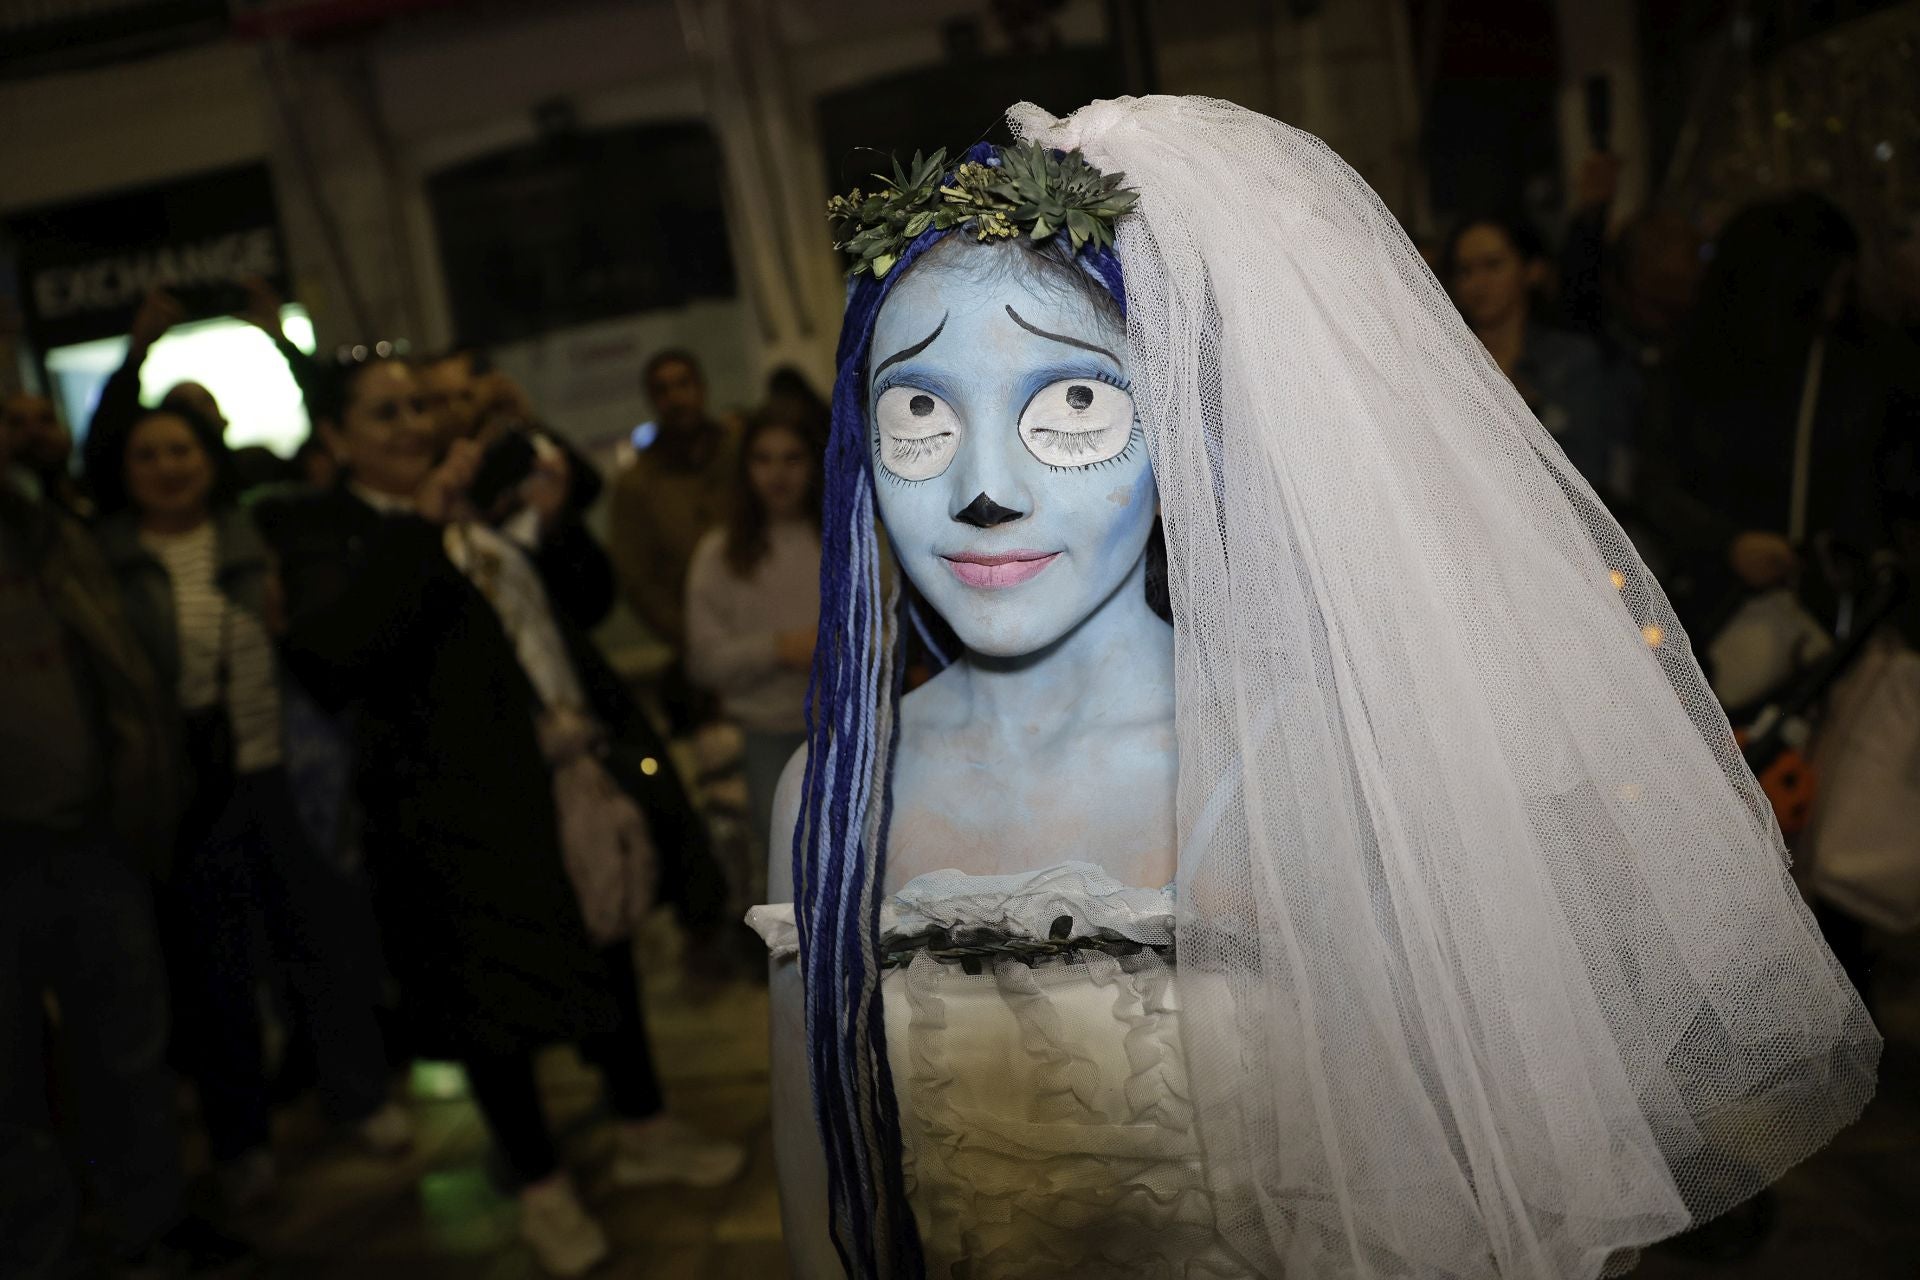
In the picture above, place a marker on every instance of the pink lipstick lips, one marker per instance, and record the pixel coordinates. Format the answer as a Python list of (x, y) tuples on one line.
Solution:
[(1008, 569)]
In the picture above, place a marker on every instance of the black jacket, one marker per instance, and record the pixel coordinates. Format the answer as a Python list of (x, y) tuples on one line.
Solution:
[(480, 921), (1719, 456), (134, 725)]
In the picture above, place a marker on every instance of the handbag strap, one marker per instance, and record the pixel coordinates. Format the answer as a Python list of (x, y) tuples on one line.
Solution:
[(223, 656), (1803, 440)]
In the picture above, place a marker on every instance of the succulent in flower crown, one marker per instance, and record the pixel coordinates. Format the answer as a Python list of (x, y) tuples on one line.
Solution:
[(1032, 191)]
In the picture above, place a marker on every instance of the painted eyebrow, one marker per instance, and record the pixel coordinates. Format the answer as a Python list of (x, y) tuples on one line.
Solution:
[(907, 353), (1059, 337)]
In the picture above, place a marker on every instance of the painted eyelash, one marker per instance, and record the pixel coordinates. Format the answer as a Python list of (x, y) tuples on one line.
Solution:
[(919, 448), (879, 451), (1133, 441), (884, 450), (1073, 443), (1123, 384), (915, 450)]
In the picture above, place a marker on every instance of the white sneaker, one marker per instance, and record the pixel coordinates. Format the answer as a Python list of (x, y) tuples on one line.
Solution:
[(388, 1131), (671, 1151), (564, 1240)]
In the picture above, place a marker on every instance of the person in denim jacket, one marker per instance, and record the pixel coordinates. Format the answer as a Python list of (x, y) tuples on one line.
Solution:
[(1494, 268)]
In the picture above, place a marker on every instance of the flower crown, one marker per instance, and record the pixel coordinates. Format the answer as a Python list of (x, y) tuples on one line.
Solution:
[(1031, 190)]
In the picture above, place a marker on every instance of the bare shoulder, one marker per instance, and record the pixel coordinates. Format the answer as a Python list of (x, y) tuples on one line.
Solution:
[(925, 714), (929, 716)]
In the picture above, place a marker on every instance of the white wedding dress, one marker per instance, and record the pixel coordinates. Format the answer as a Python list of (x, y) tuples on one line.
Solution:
[(1033, 1030)]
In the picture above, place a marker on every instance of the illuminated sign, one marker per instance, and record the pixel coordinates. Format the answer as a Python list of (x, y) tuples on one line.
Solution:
[(113, 284), (85, 266)]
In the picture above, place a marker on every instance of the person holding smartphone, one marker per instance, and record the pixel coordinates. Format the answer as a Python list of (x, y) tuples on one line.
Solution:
[(457, 649)]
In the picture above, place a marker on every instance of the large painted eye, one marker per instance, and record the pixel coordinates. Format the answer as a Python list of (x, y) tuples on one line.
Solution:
[(919, 432), (1077, 422)]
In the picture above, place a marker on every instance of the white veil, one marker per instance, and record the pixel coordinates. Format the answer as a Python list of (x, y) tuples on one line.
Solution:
[(1490, 962)]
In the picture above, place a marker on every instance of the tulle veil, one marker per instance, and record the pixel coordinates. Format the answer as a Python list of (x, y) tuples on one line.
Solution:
[(1489, 959)]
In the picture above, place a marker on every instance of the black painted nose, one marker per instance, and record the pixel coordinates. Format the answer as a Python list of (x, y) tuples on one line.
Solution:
[(984, 513)]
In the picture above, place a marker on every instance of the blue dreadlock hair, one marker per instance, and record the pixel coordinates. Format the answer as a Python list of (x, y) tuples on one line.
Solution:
[(840, 843)]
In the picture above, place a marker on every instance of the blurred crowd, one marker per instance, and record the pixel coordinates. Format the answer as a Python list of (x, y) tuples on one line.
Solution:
[(1753, 424), (319, 753), (1730, 398), (322, 747)]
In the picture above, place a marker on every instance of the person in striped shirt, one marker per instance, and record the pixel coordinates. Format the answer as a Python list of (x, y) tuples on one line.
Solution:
[(195, 579)]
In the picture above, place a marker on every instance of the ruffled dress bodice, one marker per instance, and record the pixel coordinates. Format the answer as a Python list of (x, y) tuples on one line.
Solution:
[(1033, 1029)]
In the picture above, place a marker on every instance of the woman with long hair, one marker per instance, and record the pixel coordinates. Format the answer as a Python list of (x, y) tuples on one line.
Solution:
[(1398, 905), (198, 589), (753, 597)]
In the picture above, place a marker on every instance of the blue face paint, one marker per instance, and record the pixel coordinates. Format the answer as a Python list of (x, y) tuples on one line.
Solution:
[(1012, 477), (840, 851)]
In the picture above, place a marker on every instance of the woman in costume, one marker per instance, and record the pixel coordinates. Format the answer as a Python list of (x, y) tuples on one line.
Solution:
[(1402, 909)]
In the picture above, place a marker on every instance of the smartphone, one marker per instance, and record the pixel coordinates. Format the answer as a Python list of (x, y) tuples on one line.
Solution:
[(507, 461)]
